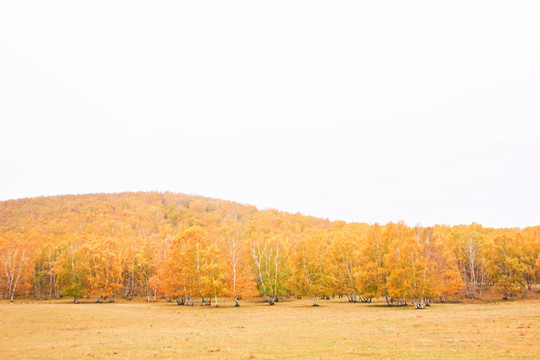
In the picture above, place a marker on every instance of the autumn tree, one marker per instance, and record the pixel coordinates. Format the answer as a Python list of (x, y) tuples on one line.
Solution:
[(529, 242), (506, 265), (269, 252), (269, 256), (195, 267), (434, 267), (410, 272), (212, 273), (239, 279), (45, 280), (158, 249), (144, 269), (470, 249), (345, 252), (71, 270), (16, 266), (372, 276), (313, 267), (449, 281), (105, 272), (178, 270)]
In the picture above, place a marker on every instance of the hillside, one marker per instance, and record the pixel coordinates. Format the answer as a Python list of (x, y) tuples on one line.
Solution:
[(185, 247)]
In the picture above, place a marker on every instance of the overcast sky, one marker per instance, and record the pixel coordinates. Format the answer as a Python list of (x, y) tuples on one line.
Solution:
[(362, 111)]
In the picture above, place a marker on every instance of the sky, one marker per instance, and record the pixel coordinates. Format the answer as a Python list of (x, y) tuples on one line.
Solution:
[(368, 111)]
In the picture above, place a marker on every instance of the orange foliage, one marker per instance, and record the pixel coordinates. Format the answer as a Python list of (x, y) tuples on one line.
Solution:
[(175, 245)]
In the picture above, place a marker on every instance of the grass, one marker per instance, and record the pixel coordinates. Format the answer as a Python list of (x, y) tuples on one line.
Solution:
[(288, 330)]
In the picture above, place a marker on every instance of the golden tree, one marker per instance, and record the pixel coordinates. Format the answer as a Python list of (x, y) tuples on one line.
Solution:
[(313, 267), (506, 265), (104, 268)]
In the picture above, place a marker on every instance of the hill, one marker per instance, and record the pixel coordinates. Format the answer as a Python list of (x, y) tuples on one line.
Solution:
[(185, 247)]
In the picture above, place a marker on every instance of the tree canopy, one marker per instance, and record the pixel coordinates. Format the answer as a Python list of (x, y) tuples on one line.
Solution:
[(185, 247)]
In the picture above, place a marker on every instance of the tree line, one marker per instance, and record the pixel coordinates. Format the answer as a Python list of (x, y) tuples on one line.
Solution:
[(191, 249)]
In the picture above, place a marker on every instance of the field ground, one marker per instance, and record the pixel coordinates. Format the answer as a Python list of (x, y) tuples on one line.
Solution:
[(288, 330)]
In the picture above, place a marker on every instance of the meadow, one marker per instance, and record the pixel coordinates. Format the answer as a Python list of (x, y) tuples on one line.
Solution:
[(288, 330)]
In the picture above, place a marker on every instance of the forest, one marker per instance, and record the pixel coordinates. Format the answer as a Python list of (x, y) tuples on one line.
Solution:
[(196, 250)]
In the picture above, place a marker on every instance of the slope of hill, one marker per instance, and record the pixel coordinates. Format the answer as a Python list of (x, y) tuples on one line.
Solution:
[(182, 246)]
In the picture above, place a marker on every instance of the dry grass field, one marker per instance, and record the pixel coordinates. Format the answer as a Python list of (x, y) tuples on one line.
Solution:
[(289, 330)]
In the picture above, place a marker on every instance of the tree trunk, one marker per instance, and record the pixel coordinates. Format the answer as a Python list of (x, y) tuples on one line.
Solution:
[(56, 290)]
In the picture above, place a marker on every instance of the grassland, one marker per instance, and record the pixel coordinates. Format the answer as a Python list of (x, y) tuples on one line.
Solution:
[(288, 330)]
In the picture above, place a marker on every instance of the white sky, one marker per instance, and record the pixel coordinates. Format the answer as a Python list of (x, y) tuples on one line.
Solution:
[(362, 111)]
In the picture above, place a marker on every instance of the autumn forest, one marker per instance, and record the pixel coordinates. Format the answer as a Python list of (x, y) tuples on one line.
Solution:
[(192, 250)]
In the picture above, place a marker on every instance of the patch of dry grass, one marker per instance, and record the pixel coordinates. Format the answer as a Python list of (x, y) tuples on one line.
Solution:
[(288, 330)]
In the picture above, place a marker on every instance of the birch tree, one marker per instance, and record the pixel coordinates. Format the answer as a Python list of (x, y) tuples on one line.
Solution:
[(239, 279), (72, 272), (313, 267), (16, 266)]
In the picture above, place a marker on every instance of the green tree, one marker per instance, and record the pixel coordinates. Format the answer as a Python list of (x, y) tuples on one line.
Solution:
[(71, 270)]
